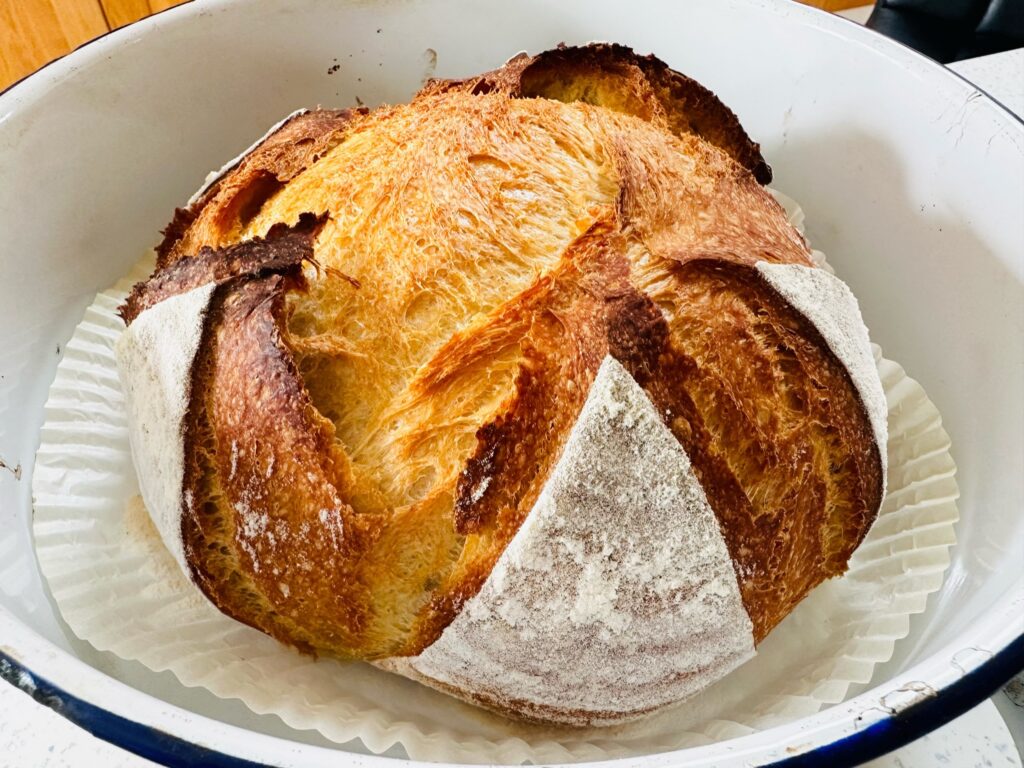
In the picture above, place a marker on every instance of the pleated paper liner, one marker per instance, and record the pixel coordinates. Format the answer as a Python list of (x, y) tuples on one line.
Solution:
[(119, 589)]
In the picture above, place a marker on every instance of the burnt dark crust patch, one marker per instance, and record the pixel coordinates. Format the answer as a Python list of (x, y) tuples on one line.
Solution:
[(281, 250), (475, 479), (174, 231)]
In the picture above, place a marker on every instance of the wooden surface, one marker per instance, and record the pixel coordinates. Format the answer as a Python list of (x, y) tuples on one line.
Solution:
[(33, 32)]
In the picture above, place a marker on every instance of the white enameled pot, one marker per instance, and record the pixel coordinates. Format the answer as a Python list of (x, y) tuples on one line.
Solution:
[(913, 183)]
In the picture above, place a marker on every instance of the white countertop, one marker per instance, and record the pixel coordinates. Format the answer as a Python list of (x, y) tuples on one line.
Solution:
[(1001, 76), (33, 735)]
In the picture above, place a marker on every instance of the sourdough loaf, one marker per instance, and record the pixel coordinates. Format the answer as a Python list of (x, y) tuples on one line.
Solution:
[(526, 389)]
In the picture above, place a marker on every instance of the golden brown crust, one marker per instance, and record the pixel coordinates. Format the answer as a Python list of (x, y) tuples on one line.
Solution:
[(250, 532), (614, 77), (563, 324), (368, 433)]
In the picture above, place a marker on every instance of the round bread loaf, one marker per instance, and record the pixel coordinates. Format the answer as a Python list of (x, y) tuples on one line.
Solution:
[(526, 389)]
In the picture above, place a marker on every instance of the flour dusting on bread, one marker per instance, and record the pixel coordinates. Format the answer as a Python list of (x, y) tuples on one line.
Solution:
[(155, 355), (591, 619), (830, 305)]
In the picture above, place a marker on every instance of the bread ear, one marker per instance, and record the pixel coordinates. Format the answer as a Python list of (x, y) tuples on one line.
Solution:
[(616, 78), (205, 332), (228, 203), (283, 249)]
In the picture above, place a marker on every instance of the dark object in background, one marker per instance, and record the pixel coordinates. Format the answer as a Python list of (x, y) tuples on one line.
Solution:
[(951, 30)]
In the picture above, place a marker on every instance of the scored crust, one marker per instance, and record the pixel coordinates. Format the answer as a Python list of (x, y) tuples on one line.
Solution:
[(656, 591), (227, 204), (612, 76), (411, 306)]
